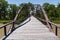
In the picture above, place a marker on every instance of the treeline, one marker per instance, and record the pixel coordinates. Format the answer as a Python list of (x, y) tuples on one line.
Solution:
[(9, 11), (53, 11)]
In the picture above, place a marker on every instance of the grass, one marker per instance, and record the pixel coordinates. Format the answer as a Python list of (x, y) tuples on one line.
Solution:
[(56, 21), (5, 21)]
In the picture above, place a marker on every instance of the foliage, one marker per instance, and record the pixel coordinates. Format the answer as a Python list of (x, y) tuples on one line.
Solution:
[(3, 6), (52, 11), (9, 11), (24, 13), (5, 21)]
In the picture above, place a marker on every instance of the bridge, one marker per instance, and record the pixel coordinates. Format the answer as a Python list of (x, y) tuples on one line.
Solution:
[(32, 28)]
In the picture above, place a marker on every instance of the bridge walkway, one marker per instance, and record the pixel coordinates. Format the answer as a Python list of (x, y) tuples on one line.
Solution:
[(33, 30)]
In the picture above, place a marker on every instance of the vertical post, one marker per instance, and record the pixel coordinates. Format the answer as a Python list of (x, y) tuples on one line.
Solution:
[(13, 26), (50, 25), (5, 33), (56, 30)]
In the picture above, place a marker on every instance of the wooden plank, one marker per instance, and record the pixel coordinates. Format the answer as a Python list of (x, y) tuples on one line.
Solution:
[(33, 30)]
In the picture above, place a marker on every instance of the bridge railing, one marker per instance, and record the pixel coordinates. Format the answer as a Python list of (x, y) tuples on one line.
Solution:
[(56, 27), (46, 21), (11, 25), (5, 27), (51, 24)]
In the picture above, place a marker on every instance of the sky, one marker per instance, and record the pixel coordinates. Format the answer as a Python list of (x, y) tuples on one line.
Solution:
[(55, 2)]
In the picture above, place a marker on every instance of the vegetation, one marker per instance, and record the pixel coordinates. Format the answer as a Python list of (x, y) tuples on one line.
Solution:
[(5, 21), (8, 11), (3, 7), (52, 11)]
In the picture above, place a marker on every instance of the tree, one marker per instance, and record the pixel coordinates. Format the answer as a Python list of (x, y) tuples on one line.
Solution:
[(58, 10), (46, 5), (13, 10), (3, 6), (51, 11), (30, 5), (58, 6), (23, 14)]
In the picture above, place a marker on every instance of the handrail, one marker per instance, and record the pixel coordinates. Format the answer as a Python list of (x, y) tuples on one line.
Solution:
[(14, 18), (6, 24), (23, 23), (54, 24), (51, 23), (46, 17), (13, 22), (47, 21), (17, 26)]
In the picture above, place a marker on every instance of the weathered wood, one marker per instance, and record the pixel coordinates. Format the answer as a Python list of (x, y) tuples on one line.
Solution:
[(6, 24), (5, 31), (56, 25), (51, 23), (13, 26), (56, 31), (33, 30), (46, 17)]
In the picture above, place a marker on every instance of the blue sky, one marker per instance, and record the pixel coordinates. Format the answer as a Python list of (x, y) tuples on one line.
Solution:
[(33, 1)]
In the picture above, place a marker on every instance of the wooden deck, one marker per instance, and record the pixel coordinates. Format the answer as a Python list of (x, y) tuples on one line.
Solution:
[(33, 30)]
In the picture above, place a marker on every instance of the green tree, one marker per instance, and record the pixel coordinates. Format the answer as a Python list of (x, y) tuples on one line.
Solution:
[(13, 10), (51, 11), (46, 5), (3, 7), (58, 10), (24, 13), (30, 5)]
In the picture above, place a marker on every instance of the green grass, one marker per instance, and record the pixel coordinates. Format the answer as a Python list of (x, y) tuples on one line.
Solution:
[(5, 21), (56, 21)]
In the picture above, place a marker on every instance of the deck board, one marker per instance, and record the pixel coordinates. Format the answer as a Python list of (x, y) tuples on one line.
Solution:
[(33, 30)]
